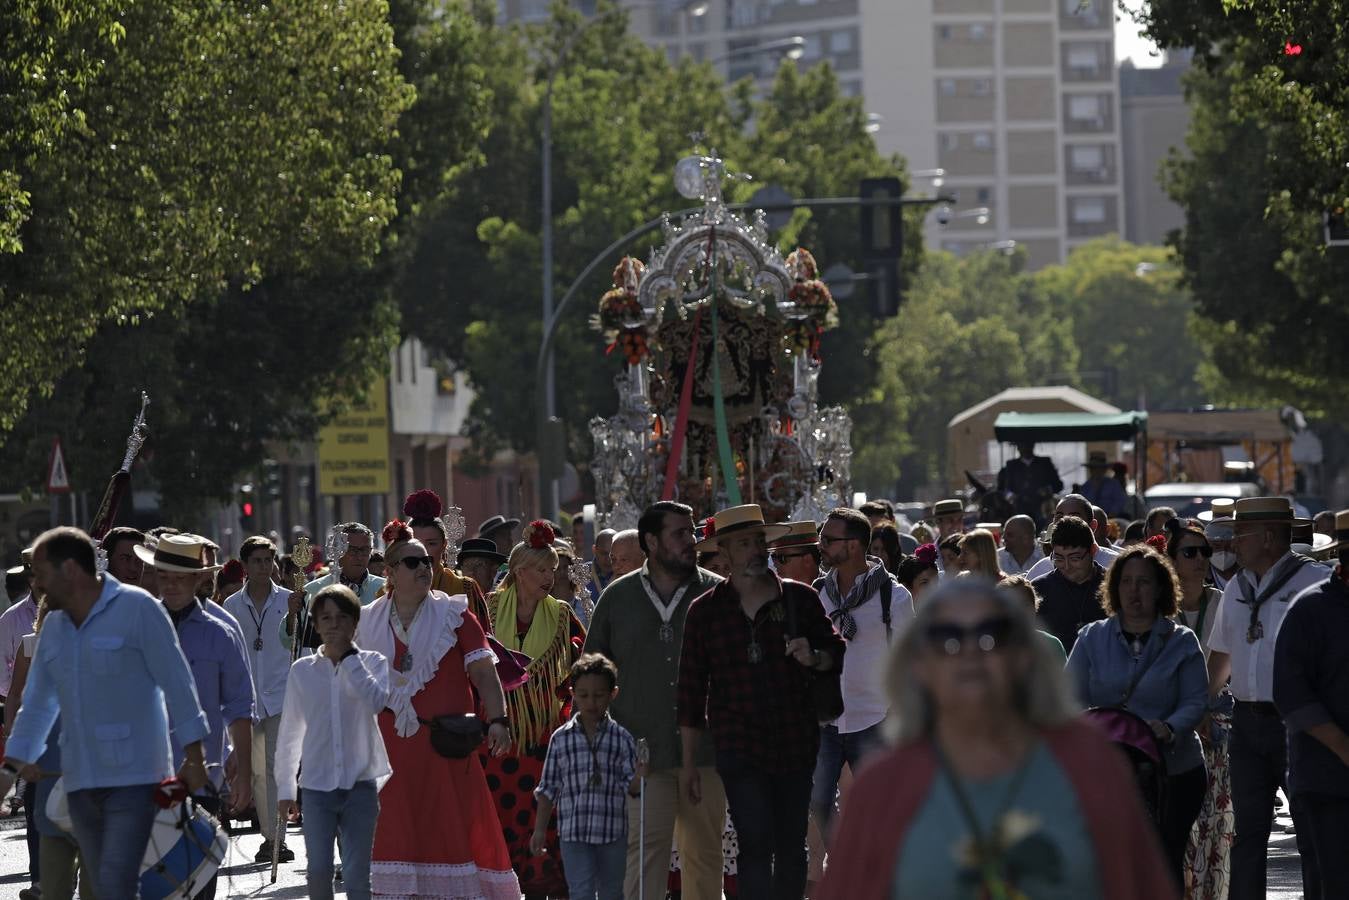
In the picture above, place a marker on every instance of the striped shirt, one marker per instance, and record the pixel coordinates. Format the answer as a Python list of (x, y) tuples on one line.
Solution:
[(588, 813)]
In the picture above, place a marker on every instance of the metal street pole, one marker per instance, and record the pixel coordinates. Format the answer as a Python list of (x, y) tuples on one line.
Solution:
[(549, 499)]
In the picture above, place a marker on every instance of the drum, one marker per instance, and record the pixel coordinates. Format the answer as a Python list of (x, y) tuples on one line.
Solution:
[(186, 847)]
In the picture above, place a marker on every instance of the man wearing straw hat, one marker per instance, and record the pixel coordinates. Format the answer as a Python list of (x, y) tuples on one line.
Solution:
[(796, 555), (639, 624), (1242, 644), (219, 669), (1311, 689), (752, 646)]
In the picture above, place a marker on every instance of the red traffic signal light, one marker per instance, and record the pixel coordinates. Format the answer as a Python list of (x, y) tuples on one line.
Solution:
[(248, 508)]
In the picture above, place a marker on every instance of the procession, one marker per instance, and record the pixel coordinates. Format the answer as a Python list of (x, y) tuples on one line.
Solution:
[(674, 450)]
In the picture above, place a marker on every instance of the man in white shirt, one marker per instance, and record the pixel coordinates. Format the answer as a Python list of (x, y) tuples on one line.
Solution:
[(868, 608), (1076, 505), (16, 621), (1019, 549), (329, 721), (1242, 647), (260, 609)]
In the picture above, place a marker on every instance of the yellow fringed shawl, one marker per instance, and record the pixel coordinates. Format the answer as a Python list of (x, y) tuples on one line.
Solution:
[(534, 708)]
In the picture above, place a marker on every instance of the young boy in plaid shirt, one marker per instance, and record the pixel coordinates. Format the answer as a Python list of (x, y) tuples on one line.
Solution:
[(591, 764)]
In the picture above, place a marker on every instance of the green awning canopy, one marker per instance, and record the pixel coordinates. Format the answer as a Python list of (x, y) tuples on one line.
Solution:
[(1014, 427)]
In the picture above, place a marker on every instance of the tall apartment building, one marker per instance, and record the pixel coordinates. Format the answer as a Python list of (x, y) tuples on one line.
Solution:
[(1154, 120), (1017, 100)]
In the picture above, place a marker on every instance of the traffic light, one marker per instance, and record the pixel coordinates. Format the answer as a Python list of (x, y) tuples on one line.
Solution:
[(247, 509), (271, 478), (882, 232)]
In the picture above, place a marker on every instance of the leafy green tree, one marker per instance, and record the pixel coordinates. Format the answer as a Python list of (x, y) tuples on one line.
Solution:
[(1266, 150), (252, 365), (970, 327), (1131, 321), (216, 143)]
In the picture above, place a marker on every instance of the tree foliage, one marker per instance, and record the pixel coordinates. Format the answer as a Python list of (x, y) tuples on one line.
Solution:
[(974, 326), (215, 143), (1266, 159), (233, 371)]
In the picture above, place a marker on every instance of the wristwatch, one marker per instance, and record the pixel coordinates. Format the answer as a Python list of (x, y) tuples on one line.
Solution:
[(9, 768), (500, 720)]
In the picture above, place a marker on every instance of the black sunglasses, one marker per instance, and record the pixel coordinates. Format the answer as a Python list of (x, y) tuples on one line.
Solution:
[(415, 562), (781, 558), (988, 635), (1191, 552)]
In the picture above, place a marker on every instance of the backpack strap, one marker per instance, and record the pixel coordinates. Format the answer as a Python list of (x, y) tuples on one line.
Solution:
[(886, 591)]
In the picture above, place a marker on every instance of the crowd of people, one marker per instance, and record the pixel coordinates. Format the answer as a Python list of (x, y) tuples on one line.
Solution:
[(1059, 704)]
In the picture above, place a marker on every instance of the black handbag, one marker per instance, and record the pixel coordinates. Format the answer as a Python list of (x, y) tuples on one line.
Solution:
[(455, 737), (826, 688)]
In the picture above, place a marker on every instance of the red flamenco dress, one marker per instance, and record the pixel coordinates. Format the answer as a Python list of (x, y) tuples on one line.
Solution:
[(536, 709), (437, 834)]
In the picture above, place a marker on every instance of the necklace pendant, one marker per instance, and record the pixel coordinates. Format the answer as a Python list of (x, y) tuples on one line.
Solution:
[(406, 665), (755, 653), (257, 644), (1255, 632), (666, 633)]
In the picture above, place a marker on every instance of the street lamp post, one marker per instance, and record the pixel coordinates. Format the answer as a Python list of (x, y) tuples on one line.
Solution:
[(548, 487)]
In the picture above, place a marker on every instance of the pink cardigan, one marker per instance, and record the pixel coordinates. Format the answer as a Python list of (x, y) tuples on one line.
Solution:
[(889, 792)]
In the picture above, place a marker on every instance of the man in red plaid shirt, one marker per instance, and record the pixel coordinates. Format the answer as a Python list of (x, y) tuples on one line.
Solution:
[(750, 644)]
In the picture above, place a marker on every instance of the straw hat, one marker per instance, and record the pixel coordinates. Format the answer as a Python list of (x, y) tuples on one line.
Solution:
[(1278, 510), (1341, 530), (176, 553), (948, 508), (735, 520), (799, 534), (1221, 508)]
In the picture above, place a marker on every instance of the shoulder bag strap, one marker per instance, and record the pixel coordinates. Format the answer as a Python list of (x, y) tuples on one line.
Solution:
[(1143, 670)]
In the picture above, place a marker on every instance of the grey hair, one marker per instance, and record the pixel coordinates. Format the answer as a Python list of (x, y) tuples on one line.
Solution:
[(1044, 696), (355, 528)]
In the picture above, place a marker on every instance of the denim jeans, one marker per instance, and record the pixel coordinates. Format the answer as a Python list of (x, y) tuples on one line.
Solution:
[(112, 827), (596, 870), (771, 813), (835, 750), (348, 817)]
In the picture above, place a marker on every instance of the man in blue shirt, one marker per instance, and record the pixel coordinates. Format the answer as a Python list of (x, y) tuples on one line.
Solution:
[(219, 669), (1311, 690), (108, 663)]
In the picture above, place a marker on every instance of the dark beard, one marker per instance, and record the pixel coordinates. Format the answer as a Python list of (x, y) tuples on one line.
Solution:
[(673, 565)]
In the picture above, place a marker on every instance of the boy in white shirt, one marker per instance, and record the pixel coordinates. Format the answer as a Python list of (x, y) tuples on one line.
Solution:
[(328, 720)]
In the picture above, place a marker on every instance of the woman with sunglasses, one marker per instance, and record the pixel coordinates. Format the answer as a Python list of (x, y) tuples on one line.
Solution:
[(1141, 660), (1208, 855), (995, 789), (430, 839), (527, 618)]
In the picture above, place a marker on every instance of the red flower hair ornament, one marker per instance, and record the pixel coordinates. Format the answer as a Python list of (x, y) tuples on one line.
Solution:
[(539, 534), (927, 554), (423, 504), (710, 528), (1157, 542), (396, 531)]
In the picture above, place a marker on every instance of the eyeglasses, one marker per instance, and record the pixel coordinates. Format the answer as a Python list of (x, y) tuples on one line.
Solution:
[(783, 558), (988, 635), (1191, 552), (416, 562), (826, 539)]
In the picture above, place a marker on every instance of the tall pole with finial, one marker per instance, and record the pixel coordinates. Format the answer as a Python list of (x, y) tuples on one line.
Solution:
[(301, 555)]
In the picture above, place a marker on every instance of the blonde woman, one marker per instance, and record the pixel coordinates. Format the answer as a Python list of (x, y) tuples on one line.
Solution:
[(979, 554), (994, 789), (526, 618)]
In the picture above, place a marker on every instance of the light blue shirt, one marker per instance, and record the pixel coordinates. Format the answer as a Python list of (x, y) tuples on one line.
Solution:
[(224, 685), (1174, 688), (113, 681)]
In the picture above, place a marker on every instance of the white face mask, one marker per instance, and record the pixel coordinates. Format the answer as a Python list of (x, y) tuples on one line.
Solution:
[(1224, 560)]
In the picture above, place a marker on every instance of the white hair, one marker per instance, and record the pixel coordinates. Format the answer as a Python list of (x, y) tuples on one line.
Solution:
[(1043, 694)]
